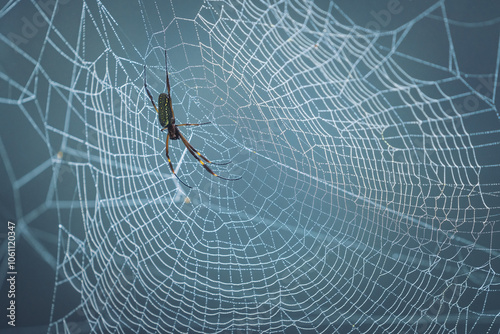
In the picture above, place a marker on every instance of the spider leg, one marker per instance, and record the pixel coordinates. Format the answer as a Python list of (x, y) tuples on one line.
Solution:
[(170, 163), (166, 71), (204, 158), (168, 86), (192, 150), (210, 162), (147, 90), (194, 124)]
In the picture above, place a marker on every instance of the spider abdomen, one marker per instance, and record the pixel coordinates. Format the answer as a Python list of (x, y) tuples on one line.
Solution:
[(164, 110)]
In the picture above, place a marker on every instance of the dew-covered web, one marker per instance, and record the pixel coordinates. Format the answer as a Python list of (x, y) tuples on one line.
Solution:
[(367, 145)]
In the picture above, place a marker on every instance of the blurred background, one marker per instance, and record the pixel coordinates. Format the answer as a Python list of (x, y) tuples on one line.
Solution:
[(366, 133)]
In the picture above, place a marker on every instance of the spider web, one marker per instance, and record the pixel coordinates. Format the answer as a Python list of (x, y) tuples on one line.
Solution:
[(367, 141)]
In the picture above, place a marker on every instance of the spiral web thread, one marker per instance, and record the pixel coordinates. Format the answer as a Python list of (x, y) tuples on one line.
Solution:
[(368, 201)]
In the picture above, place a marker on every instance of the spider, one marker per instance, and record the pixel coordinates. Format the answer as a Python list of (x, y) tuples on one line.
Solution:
[(167, 121)]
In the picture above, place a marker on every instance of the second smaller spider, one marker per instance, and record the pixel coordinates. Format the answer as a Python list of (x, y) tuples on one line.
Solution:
[(167, 121)]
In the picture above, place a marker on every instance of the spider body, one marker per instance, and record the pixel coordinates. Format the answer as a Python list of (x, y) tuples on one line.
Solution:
[(167, 121), (166, 116)]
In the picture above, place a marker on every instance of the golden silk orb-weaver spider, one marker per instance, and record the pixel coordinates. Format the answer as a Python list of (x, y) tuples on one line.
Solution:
[(167, 121)]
